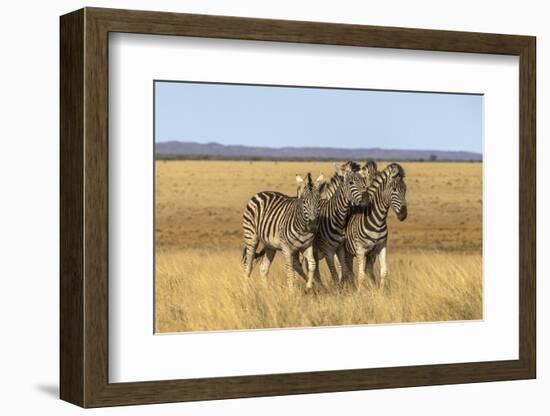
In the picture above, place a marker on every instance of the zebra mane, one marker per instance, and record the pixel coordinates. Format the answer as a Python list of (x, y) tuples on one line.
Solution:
[(381, 179), (335, 178), (330, 188)]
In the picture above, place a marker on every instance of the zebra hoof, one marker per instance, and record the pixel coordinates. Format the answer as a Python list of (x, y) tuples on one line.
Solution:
[(308, 290)]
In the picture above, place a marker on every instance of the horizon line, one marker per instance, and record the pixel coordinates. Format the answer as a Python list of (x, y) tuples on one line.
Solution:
[(319, 147)]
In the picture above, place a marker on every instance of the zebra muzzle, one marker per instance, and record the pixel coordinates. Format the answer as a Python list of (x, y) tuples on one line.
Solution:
[(402, 214), (312, 224)]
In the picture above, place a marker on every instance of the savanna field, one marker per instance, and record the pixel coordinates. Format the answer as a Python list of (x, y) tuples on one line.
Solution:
[(434, 256)]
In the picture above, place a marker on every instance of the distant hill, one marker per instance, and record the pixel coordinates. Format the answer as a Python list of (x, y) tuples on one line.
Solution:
[(192, 150)]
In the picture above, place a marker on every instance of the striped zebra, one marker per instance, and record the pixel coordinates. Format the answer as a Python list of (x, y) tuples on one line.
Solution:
[(285, 223), (346, 189), (334, 215), (366, 231)]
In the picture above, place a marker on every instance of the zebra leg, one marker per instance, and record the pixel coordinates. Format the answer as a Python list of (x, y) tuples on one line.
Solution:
[(338, 266), (383, 267), (266, 261), (317, 273), (360, 256), (311, 266), (298, 266), (248, 257), (318, 256), (290, 260), (371, 258), (346, 263), (334, 272)]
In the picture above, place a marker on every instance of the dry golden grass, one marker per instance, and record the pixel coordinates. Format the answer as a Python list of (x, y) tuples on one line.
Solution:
[(199, 291), (434, 256)]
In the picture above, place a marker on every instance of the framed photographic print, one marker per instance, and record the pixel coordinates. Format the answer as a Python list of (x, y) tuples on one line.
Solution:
[(255, 207)]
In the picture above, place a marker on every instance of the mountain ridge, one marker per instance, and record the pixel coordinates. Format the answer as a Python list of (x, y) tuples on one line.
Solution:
[(213, 150)]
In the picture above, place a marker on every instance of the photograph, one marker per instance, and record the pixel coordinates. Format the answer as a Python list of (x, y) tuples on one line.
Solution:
[(290, 206), (278, 204)]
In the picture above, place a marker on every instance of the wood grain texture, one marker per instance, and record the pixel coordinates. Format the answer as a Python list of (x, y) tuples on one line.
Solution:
[(96, 208), (71, 213), (162, 23), (528, 208), (84, 207)]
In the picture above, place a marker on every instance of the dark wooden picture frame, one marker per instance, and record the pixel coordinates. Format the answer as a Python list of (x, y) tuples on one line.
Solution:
[(84, 207)]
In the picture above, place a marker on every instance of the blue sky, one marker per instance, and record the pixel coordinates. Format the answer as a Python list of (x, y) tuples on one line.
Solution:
[(282, 116)]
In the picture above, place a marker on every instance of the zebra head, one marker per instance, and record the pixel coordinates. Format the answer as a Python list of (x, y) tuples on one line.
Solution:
[(353, 183), (369, 171), (397, 190), (309, 195)]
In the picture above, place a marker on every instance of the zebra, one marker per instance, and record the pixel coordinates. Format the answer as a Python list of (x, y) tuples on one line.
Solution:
[(282, 222), (346, 189), (332, 221), (369, 171), (366, 231), (331, 225)]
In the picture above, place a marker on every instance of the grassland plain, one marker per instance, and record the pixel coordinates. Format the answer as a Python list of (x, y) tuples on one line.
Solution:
[(434, 257)]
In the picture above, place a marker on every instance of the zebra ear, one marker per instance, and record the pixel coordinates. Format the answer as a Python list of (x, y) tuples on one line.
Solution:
[(369, 168), (320, 181), (371, 165), (321, 184), (322, 188), (340, 170), (300, 183)]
